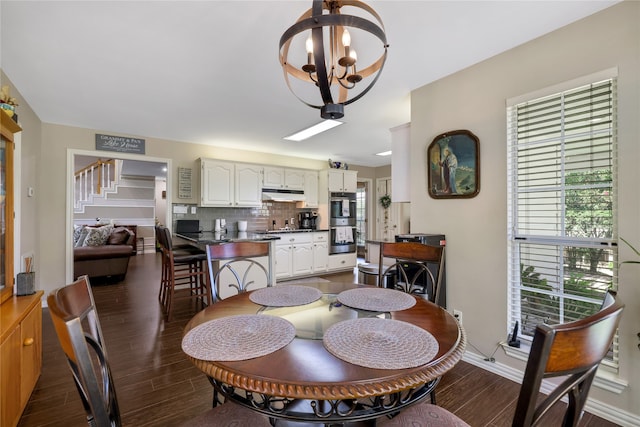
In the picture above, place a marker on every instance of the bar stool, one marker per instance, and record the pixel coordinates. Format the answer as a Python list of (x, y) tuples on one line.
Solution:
[(184, 275)]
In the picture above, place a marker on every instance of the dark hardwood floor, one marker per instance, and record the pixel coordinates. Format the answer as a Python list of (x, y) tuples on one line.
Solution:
[(158, 386)]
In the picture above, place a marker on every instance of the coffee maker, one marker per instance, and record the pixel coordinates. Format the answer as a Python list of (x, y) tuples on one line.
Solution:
[(307, 220), (304, 220)]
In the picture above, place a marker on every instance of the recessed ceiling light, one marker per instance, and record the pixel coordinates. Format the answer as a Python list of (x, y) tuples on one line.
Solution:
[(314, 130), (384, 153)]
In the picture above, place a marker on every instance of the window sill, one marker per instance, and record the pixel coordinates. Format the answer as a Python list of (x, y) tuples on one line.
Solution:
[(605, 379)]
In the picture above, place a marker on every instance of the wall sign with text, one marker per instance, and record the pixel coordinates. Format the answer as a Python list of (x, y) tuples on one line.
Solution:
[(184, 183), (121, 144)]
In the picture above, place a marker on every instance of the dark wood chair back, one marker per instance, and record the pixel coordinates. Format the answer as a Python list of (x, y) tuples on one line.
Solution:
[(77, 325), (238, 258), (76, 322), (573, 350), (160, 236), (413, 260)]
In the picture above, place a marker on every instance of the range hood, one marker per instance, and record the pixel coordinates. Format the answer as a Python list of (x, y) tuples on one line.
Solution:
[(279, 195)]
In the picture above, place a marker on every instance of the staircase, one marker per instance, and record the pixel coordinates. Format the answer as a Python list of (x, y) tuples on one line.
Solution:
[(102, 193)]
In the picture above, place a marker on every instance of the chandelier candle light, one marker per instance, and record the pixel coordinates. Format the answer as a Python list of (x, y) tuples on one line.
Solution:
[(331, 59)]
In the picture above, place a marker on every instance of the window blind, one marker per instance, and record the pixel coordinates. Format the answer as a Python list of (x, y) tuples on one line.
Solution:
[(562, 205)]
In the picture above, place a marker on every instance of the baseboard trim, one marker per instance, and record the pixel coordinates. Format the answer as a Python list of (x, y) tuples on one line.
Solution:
[(595, 407)]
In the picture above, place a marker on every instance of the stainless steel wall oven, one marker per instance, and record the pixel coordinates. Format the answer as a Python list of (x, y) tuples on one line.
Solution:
[(342, 222)]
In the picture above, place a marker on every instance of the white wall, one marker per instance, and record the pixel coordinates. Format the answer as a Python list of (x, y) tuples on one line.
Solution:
[(474, 99)]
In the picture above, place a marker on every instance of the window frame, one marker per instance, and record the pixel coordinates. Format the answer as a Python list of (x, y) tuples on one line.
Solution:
[(517, 240)]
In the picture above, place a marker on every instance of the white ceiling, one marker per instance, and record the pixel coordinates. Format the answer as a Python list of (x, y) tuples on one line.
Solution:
[(207, 71)]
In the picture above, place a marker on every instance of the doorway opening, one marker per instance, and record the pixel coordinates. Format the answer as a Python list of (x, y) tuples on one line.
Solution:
[(135, 166)]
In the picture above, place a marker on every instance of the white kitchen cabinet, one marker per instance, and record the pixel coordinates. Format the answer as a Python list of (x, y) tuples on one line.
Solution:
[(294, 255), (342, 261), (294, 179), (273, 177), (320, 252), (283, 261), (343, 181), (283, 178), (228, 184), (248, 187), (217, 183), (310, 189), (302, 259)]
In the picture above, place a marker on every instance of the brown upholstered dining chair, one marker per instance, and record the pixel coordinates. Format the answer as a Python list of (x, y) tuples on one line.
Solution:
[(413, 269), (571, 350), (234, 267), (184, 275), (77, 325)]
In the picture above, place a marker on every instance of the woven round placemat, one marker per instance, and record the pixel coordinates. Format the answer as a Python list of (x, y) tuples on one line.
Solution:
[(285, 295), (377, 299), (238, 337), (380, 343)]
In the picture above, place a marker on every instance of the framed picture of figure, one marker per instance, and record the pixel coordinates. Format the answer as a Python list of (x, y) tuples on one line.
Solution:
[(454, 165)]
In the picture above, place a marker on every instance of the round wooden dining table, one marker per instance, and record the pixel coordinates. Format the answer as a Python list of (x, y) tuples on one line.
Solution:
[(305, 382)]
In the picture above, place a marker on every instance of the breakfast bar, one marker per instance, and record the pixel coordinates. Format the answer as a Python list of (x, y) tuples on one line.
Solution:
[(204, 238)]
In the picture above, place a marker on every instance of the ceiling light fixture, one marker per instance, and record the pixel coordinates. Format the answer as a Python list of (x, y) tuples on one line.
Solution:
[(330, 59), (384, 153), (313, 130)]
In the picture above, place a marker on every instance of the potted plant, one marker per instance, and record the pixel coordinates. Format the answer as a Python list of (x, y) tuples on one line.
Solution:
[(634, 250)]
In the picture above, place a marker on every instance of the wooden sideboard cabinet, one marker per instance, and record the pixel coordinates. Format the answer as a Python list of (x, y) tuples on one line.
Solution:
[(20, 354)]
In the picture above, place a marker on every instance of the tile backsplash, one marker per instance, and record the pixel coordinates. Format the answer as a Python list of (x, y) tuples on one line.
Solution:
[(258, 219)]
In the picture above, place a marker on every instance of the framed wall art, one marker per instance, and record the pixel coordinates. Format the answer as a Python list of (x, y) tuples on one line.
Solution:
[(454, 165)]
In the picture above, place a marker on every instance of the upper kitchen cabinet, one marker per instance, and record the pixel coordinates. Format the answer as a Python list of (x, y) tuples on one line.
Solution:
[(248, 185), (229, 184), (217, 183), (343, 181), (310, 189), (283, 178)]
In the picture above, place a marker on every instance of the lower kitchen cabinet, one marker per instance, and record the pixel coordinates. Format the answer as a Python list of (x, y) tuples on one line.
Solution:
[(302, 259), (342, 261), (20, 354), (296, 255), (320, 252)]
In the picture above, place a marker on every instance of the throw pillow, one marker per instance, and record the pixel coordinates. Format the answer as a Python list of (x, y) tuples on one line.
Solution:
[(98, 236), (118, 236), (77, 229), (81, 237)]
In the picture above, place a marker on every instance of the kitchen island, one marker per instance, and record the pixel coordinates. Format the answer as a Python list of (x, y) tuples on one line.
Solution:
[(296, 253)]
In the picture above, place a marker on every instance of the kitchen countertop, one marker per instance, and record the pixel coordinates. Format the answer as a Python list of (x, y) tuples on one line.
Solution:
[(209, 237), (297, 230), (204, 238)]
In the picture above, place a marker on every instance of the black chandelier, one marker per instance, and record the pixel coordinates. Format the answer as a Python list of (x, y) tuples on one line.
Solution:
[(331, 62)]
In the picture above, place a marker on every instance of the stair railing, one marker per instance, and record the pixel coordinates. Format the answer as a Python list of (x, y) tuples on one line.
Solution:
[(93, 179)]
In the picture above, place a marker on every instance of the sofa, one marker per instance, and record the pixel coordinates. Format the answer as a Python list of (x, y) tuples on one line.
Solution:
[(103, 251)]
